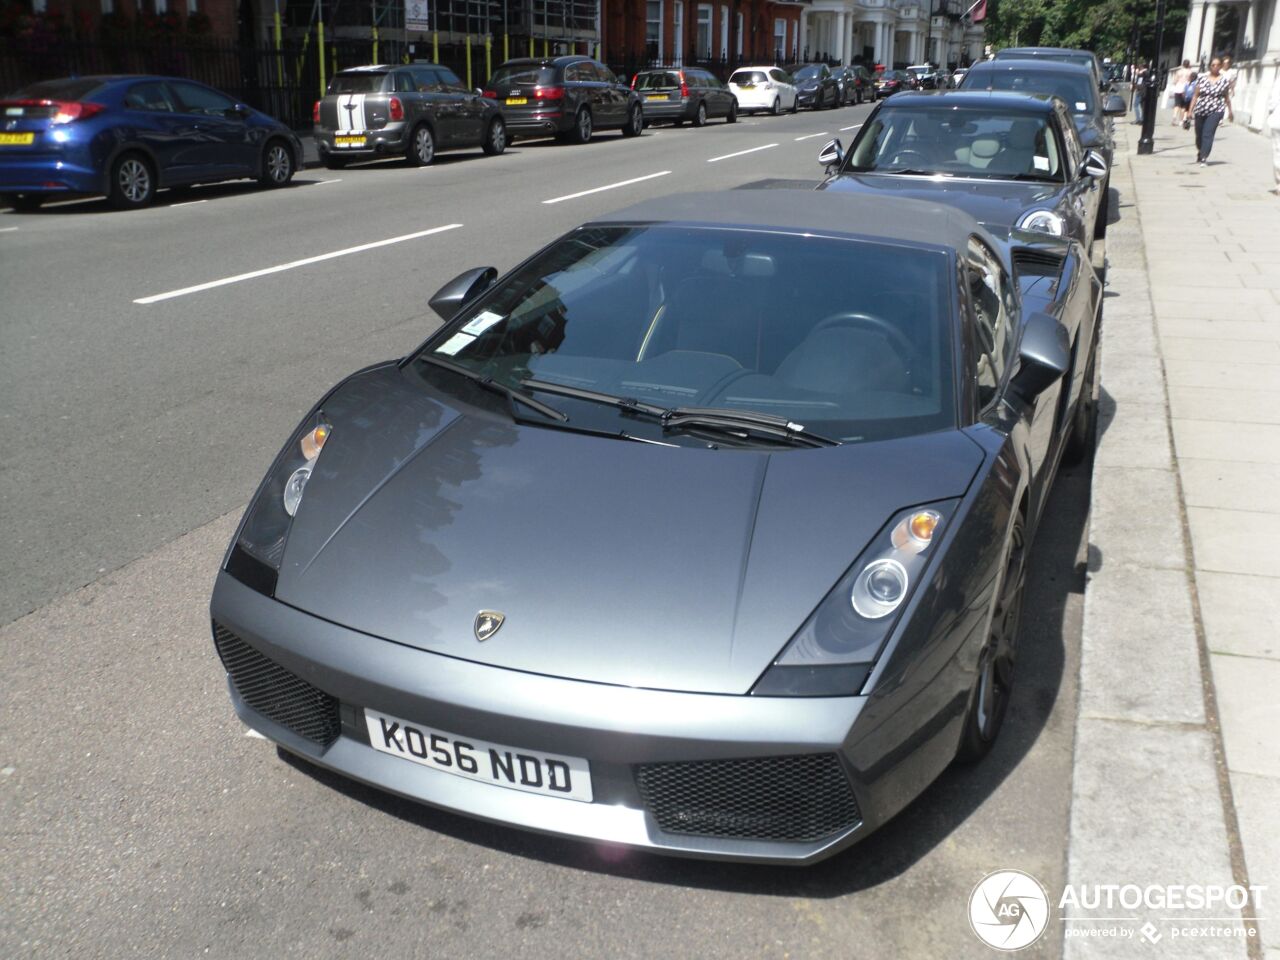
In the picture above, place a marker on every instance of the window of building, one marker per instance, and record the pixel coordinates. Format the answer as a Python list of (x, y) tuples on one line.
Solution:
[(108, 6), (653, 30), (738, 44), (678, 37), (779, 39), (723, 52), (703, 48)]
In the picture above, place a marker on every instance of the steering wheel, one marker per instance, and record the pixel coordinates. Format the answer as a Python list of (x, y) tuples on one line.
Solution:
[(903, 347), (908, 158)]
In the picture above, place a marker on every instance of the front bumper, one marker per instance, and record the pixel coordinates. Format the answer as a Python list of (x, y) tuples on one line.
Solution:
[(616, 729), (806, 98)]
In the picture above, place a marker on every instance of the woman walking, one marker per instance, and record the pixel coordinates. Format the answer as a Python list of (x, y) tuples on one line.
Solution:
[(1181, 77), (1212, 99)]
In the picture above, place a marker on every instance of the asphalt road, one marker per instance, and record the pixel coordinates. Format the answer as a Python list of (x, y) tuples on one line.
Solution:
[(139, 820)]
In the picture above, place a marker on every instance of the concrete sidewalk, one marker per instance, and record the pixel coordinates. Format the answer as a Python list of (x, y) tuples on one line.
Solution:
[(1177, 769)]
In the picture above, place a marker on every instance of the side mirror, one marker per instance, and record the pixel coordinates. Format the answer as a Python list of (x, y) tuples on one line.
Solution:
[(461, 290), (832, 153), (1094, 165), (1043, 357), (1114, 106), (239, 110)]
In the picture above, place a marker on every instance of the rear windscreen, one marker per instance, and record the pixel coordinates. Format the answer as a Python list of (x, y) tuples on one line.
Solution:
[(531, 74), (69, 89), (747, 76), (657, 81), (357, 83)]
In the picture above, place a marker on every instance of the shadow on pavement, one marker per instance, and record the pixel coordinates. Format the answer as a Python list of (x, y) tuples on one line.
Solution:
[(1055, 573)]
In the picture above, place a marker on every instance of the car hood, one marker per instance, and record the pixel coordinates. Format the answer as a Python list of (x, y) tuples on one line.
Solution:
[(993, 203), (612, 561)]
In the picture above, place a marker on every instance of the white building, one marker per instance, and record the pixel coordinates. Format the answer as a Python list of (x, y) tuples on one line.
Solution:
[(892, 32), (1256, 51)]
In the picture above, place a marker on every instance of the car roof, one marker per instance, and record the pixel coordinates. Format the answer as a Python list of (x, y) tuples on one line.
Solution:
[(1039, 64), (383, 67), (1044, 51), (1038, 103), (762, 66), (544, 61), (893, 219)]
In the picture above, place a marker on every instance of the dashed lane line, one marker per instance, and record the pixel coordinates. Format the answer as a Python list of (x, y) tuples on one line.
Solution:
[(608, 186), (810, 136), (741, 153)]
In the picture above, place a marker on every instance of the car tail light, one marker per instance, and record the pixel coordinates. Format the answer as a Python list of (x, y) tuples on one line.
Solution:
[(548, 93), (67, 111), (315, 113), (397, 109), (491, 94), (633, 81), (684, 87)]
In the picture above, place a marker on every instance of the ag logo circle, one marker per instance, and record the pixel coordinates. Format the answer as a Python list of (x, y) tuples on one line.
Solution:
[(1008, 910)]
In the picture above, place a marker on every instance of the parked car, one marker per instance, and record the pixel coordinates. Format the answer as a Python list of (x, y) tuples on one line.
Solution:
[(1073, 84), (570, 97), (415, 110), (128, 136), (764, 88), (684, 93), (745, 513), (1083, 57), (1009, 160), (865, 83), (815, 85), (924, 76), (846, 84), (958, 76), (893, 81)]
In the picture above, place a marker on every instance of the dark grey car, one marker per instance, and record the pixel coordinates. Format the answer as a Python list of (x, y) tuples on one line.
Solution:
[(414, 110), (684, 94), (701, 531), (1085, 58), (570, 97), (1009, 160)]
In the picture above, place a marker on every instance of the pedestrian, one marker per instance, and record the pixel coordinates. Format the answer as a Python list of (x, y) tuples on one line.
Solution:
[(1140, 82), (1273, 118), (1181, 77), (1229, 72), (1211, 100)]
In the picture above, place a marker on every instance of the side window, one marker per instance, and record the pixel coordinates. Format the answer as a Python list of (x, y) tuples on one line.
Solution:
[(202, 100), (777, 76), (574, 73), (991, 299), (1075, 153), (424, 79), (149, 96), (402, 82), (450, 80), (605, 74)]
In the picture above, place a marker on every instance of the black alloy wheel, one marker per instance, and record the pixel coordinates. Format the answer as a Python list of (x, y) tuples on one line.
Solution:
[(422, 146), (1100, 225), (495, 141), (990, 698)]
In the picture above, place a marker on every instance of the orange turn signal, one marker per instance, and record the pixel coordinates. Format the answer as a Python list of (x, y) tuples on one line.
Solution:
[(313, 442)]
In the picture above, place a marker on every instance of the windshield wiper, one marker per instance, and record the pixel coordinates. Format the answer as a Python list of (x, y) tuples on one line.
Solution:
[(488, 383), (712, 418), (910, 171)]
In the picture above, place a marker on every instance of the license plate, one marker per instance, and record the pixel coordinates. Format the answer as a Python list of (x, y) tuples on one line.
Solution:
[(517, 101), (17, 139), (546, 774), (657, 96), (348, 141), (746, 86)]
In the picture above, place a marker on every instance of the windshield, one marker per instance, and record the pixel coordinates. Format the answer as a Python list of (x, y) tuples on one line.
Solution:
[(530, 74), (356, 83), (1076, 90), (958, 142), (849, 338), (810, 72), (666, 80)]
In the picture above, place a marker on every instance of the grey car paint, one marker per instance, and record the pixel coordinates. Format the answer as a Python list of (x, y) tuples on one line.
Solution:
[(459, 499), (995, 203)]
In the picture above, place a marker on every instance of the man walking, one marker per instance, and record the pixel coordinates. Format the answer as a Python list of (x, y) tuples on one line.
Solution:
[(1140, 82)]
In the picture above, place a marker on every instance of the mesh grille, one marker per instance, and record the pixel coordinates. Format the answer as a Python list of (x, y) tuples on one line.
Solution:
[(276, 693), (1040, 263), (798, 798)]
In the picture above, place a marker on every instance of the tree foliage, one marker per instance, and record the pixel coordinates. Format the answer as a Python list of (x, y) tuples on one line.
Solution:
[(1107, 27)]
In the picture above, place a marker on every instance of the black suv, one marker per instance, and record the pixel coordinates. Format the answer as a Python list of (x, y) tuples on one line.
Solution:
[(570, 97), (413, 110)]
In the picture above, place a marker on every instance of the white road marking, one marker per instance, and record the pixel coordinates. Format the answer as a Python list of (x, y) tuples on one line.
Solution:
[(334, 180), (854, 127), (7, 229), (187, 203), (741, 153), (810, 136), (296, 263), (608, 186)]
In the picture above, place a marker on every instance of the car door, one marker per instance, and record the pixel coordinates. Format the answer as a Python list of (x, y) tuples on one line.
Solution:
[(466, 105), (224, 147), (785, 85), (717, 96), (1083, 192), (430, 102), (152, 117), (609, 95)]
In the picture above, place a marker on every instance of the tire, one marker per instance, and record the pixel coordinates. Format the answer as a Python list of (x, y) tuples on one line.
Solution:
[(495, 140), (1100, 225), (277, 164), (777, 107), (635, 123), (422, 146), (133, 182), (335, 163), (24, 202), (700, 118), (582, 127), (989, 702), (795, 104), (1084, 422), (732, 115)]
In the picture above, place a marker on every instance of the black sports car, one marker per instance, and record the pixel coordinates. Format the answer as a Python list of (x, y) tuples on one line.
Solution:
[(1009, 160), (703, 530)]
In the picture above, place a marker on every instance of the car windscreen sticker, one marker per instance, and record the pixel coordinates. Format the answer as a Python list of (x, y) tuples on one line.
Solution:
[(1081, 105), (481, 322), (455, 343), (1040, 163)]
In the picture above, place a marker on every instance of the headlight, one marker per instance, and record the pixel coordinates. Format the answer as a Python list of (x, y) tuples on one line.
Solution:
[(1042, 221), (255, 558), (833, 652)]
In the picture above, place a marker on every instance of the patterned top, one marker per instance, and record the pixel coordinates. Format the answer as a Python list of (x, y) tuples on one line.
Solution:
[(1211, 94)]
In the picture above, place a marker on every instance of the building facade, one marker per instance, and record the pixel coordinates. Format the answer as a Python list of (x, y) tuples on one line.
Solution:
[(678, 32), (895, 33), (1255, 50)]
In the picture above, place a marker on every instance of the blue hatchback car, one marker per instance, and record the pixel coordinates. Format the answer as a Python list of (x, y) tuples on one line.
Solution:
[(128, 136)]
